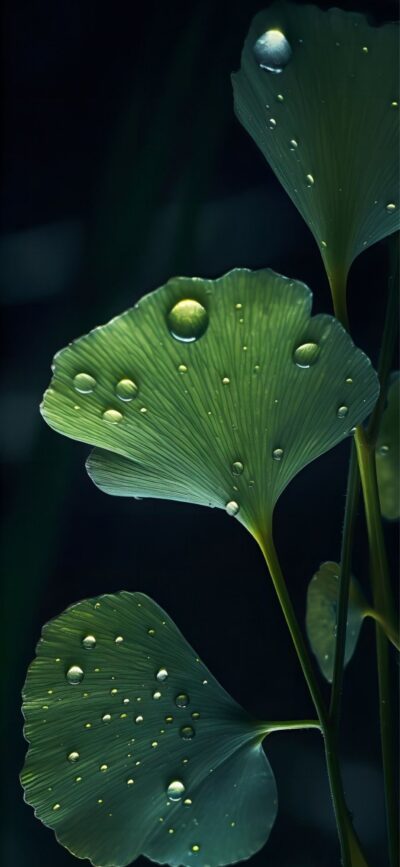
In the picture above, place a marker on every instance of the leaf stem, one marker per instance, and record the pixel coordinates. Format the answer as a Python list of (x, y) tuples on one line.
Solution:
[(291, 725), (391, 634)]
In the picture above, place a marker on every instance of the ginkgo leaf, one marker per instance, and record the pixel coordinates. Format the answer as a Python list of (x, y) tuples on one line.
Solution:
[(135, 748), (321, 616), (388, 453), (318, 91), (212, 392)]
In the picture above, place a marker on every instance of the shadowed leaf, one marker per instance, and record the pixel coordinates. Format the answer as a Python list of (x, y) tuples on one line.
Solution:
[(225, 419), (327, 122), (117, 708), (321, 616), (388, 453)]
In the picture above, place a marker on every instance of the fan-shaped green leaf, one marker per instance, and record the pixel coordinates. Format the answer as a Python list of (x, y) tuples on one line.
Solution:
[(321, 616), (388, 453), (135, 747), (225, 420), (327, 123)]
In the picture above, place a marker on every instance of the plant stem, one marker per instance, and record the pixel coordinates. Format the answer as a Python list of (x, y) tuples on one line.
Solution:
[(291, 725), (350, 848), (391, 634)]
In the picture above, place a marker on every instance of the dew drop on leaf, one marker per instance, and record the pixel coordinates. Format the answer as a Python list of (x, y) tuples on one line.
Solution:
[(232, 508), (89, 642), (112, 416), (272, 51), (84, 383), (182, 699), (175, 790), (188, 320), (306, 354), (126, 389), (74, 675)]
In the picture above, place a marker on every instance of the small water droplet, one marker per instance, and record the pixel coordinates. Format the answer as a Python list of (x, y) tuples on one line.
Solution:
[(293, 144), (225, 380), (232, 508), (310, 180), (126, 389), (89, 642), (169, 719), (195, 847), (306, 354), (161, 675), (342, 411), (78, 779), (195, 714), (280, 97), (130, 781), (365, 49), (182, 368), (182, 699), (113, 691), (84, 383), (237, 468), (238, 306), (157, 695), (390, 207), (143, 410), (139, 719), (271, 123), (187, 320), (175, 790), (103, 768), (151, 632), (188, 802), (277, 454), (187, 733), (349, 380), (106, 718), (88, 725), (154, 744), (56, 807), (324, 244), (383, 450), (272, 51), (119, 639), (74, 675), (112, 416), (394, 103), (73, 757)]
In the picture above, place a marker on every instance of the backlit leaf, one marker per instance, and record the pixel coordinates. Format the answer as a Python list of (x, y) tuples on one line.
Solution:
[(388, 453), (225, 419), (321, 616), (117, 708), (327, 122)]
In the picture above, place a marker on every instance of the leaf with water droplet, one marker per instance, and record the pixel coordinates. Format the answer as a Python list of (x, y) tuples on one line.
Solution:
[(234, 446), (335, 147), (112, 783), (387, 454), (321, 616)]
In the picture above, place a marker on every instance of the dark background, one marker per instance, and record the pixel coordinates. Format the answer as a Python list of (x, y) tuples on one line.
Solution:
[(123, 164)]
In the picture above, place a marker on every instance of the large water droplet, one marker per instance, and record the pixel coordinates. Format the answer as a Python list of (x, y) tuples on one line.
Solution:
[(84, 383), (74, 675), (126, 389), (188, 320), (237, 468), (306, 354), (187, 733), (73, 757), (232, 508), (277, 454), (162, 674), (89, 642), (112, 416), (272, 51), (175, 790), (342, 411), (182, 699)]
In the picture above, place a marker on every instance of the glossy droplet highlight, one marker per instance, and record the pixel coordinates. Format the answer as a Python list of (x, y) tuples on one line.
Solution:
[(182, 368), (342, 411), (103, 768), (112, 416), (187, 733), (106, 718), (161, 675), (306, 354), (390, 207), (383, 450), (126, 389), (84, 383), (89, 642), (195, 847), (74, 675), (73, 757), (310, 180), (119, 639), (237, 468), (277, 454), (293, 144), (272, 51), (271, 123), (56, 807), (182, 699), (157, 695), (188, 320), (175, 790), (139, 719), (232, 508)]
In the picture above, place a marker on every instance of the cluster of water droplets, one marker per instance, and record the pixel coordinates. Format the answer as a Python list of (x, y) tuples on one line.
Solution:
[(125, 390)]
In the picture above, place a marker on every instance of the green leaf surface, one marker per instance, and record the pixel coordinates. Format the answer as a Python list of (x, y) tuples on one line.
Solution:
[(117, 707), (321, 616), (388, 453), (225, 420), (328, 123)]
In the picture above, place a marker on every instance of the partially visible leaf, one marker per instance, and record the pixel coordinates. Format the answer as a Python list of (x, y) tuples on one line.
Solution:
[(228, 414), (117, 707), (328, 124), (321, 616), (388, 453)]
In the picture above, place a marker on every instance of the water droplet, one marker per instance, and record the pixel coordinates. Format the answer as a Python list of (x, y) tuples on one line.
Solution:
[(74, 675), (126, 389), (277, 454), (89, 642), (383, 450), (56, 807), (123, 716), (225, 380), (390, 207), (151, 632), (119, 639), (324, 244), (365, 49), (280, 97), (169, 719), (154, 744), (157, 695), (73, 757), (143, 410), (106, 718), (237, 468), (232, 508), (272, 51), (175, 790), (195, 847), (272, 123), (195, 714), (394, 103), (139, 719), (342, 411), (171, 830), (188, 802), (130, 781), (182, 368), (349, 380), (84, 383), (103, 768), (310, 180), (162, 674), (188, 320), (112, 416), (306, 354), (78, 779), (182, 699), (187, 733), (293, 144), (88, 725), (113, 691), (238, 306)]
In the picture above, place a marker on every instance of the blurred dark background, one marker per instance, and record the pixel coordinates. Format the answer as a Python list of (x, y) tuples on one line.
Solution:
[(123, 164)]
